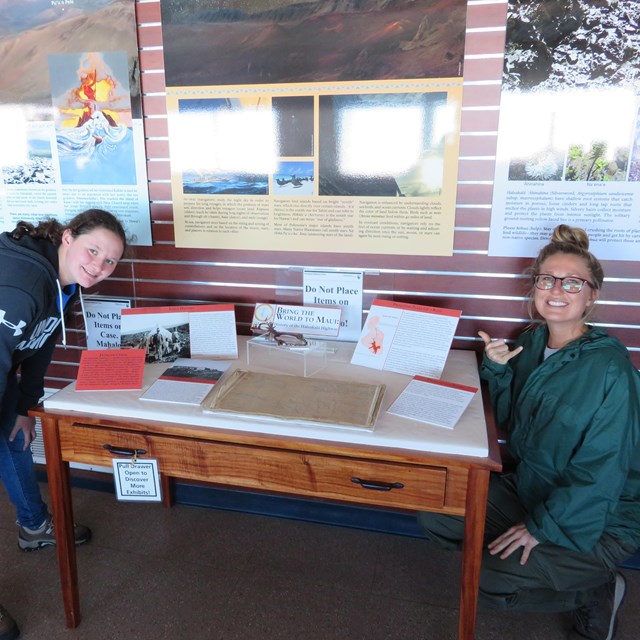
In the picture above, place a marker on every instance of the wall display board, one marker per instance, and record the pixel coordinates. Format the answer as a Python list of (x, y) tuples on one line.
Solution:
[(314, 126), (569, 133), (71, 113)]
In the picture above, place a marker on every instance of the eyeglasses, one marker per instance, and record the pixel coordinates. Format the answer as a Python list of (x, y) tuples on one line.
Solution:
[(571, 284), (281, 338)]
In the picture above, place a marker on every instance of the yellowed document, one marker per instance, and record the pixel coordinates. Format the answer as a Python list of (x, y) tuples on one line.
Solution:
[(338, 402)]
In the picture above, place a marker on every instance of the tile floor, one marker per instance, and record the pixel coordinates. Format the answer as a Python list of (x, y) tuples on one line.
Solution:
[(194, 573)]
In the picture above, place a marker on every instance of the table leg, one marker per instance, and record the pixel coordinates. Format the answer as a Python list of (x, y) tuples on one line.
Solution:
[(166, 486), (62, 509), (476, 509)]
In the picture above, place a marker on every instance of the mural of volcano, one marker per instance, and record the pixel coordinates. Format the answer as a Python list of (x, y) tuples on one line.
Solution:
[(223, 42)]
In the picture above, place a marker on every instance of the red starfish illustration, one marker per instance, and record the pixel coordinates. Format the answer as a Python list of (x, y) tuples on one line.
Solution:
[(375, 347)]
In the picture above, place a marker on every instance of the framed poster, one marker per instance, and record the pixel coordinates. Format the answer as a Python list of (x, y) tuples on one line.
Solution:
[(71, 113), (569, 133), (308, 128)]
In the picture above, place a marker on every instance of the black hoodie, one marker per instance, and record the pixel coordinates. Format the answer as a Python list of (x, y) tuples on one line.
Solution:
[(30, 319)]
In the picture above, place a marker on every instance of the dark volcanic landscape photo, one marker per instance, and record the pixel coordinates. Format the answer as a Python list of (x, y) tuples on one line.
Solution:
[(30, 32), (224, 42)]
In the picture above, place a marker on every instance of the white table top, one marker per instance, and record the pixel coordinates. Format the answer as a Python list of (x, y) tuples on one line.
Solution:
[(468, 438)]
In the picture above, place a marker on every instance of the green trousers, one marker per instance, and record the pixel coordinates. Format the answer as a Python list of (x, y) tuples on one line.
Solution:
[(553, 579)]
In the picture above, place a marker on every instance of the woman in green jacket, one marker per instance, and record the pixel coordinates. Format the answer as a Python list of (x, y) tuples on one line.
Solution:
[(568, 397)]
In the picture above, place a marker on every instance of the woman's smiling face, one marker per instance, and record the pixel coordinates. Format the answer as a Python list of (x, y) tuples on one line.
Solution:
[(557, 305), (88, 258)]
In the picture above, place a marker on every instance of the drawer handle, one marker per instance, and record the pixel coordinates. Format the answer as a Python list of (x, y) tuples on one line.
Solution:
[(130, 453), (378, 486)]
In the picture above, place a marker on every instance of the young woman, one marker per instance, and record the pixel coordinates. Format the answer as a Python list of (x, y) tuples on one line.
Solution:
[(40, 270), (569, 398)]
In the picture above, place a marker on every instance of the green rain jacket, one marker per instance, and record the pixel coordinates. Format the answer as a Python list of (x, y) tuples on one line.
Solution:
[(573, 424)]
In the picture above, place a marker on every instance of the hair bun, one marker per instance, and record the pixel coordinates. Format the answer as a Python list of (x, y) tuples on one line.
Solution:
[(565, 234)]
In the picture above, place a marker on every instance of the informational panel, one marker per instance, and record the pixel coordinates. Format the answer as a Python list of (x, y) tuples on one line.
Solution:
[(71, 114), (309, 127), (569, 133)]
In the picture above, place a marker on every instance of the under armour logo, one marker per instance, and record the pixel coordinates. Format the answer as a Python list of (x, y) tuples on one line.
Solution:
[(17, 328)]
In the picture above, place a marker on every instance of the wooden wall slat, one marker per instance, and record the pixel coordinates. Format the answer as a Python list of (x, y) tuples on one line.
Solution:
[(473, 217), (158, 170), (485, 43), (156, 127), (177, 272), (154, 105), (150, 36), (478, 145), (152, 82), (476, 169), (67, 371), (486, 15), (151, 59), (162, 211), (147, 12), (157, 148), (474, 194), (159, 191), (481, 95), (478, 69), (479, 120)]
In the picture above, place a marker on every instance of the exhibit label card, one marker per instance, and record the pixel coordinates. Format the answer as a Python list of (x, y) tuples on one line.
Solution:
[(186, 381), (169, 333), (319, 322), (406, 338), (433, 401), (110, 370)]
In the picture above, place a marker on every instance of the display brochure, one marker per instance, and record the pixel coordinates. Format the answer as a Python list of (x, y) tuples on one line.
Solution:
[(102, 320), (320, 322), (186, 381), (433, 401), (341, 288), (338, 403), (406, 338), (110, 370), (169, 333)]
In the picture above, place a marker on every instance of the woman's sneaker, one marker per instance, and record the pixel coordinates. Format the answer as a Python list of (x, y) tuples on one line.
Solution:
[(598, 620), (31, 539), (8, 627)]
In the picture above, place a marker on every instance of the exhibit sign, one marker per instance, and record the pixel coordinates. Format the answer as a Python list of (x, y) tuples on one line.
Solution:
[(342, 288), (303, 127), (71, 113), (569, 133)]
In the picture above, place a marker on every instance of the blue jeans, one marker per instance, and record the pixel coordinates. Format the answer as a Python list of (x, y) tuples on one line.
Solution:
[(16, 466)]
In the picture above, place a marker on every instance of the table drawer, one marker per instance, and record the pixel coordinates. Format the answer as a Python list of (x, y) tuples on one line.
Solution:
[(336, 477)]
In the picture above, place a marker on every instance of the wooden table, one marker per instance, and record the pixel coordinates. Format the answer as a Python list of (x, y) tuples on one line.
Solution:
[(364, 474)]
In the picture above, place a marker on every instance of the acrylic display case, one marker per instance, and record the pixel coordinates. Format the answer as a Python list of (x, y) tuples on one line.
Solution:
[(297, 361)]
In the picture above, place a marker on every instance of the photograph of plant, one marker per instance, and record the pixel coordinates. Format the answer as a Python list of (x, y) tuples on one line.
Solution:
[(634, 167), (561, 44), (592, 165)]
